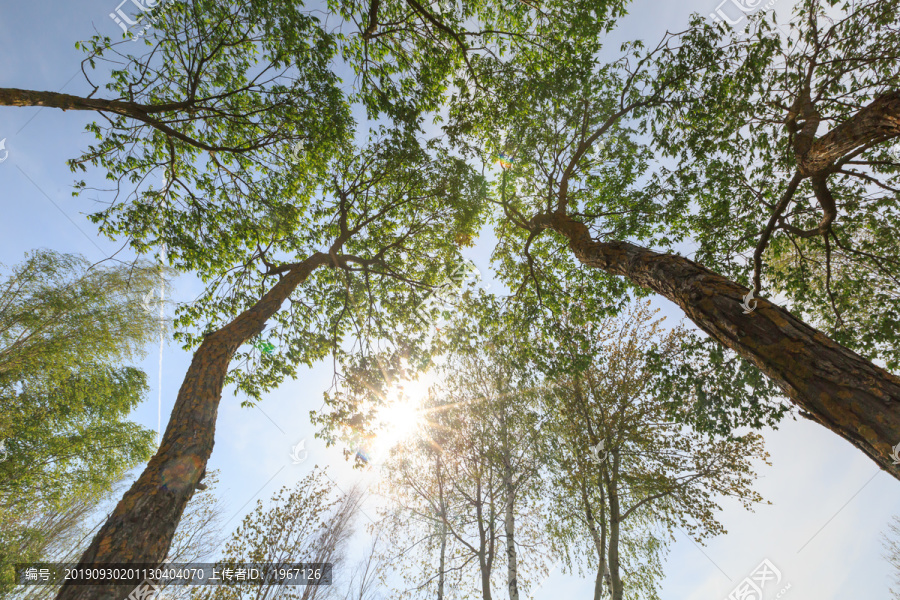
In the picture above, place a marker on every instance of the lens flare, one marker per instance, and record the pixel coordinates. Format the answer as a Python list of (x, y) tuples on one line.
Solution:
[(402, 416)]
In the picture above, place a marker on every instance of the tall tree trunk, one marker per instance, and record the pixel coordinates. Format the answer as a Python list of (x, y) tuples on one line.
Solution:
[(614, 521), (443, 560), (484, 560), (141, 527), (512, 573), (598, 537), (443, 508), (834, 386)]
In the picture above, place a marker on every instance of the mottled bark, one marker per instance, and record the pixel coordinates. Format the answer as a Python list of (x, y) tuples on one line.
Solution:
[(141, 527), (17, 97), (877, 122), (832, 385)]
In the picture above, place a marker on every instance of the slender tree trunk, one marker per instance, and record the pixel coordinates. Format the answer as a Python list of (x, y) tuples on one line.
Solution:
[(141, 527), (833, 385), (512, 573), (492, 531), (485, 579), (614, 521), (598, 537), (598, 581), (443, 563), (443, 560), (484, 563)]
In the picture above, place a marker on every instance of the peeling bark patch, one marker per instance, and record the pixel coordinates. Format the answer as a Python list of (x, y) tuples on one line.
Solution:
[(181, 474)]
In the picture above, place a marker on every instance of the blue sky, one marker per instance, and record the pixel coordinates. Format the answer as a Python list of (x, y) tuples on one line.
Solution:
[(829, 502)]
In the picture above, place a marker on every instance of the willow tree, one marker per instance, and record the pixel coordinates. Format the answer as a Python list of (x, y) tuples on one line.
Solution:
[(68, 328), (770, 153), (312, 522)]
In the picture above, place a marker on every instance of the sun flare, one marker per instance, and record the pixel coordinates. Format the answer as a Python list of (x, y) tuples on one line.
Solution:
[(402, 416)]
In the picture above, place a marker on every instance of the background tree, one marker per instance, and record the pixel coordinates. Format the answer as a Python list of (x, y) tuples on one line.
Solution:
[(57, 533), (891, 541), (465, 495), (66, 327), (367, 578), (311, 523), (445, 514), (650, 466)]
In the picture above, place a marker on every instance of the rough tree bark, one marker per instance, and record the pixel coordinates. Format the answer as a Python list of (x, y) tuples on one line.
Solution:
[(832, 385), (141, 527), (876, 122)]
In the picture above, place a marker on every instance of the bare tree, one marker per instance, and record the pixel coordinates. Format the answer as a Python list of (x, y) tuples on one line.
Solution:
[(891, 541), (199, 534), (311, 523), (365, 580)]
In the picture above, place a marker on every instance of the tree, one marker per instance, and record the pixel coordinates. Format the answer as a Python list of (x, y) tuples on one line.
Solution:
[(56, 533), (365, 582), (379, 218), (647, 466), (465, 493), (311, 523), (65, 328), (892, 546), (241, 211), (585, 183), (444, 518)]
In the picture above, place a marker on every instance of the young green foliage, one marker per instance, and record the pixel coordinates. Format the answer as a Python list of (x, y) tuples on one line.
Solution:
[(789, 147), (66, 327)]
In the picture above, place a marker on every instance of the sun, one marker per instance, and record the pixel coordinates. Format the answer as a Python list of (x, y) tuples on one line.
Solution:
[(402, 416)]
